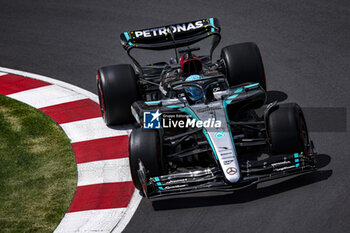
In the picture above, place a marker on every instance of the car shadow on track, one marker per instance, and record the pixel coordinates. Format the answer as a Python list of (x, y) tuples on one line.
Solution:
[(278, 96), (249, 194)]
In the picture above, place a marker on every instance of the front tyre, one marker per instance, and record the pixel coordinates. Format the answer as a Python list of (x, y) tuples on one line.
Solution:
[(145, 145), (287, 129), (117, 90)]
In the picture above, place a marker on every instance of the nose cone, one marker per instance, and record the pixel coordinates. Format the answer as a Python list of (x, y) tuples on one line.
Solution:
[(232, 174)]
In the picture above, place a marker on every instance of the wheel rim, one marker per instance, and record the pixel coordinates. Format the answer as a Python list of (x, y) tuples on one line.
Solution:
[(100, 96), (100, 99)]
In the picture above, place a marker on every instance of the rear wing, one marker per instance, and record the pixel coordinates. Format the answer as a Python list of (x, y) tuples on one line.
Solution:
[(172, 36)]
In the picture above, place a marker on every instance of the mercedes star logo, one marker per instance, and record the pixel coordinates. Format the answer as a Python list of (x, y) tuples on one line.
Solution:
[(231, 170)]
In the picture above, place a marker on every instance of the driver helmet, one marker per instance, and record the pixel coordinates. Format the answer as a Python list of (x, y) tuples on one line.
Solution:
[(190, 65), (193, 93)]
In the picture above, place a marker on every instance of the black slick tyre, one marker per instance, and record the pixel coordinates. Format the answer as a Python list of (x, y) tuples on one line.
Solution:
[(243, 63), (145, 145), (117, 90), (287, 129)]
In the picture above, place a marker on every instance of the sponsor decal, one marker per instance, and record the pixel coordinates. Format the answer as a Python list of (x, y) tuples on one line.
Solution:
[(227, 153), (227, 156), (175, 186), (279, 164), (220, 134), (228, 162), (151, 120), (163, 31), (231, 171), (284, 168), (223, 148), (176, 181)]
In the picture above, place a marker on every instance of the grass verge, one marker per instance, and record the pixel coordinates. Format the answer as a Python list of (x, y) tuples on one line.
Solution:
[(37, 169)]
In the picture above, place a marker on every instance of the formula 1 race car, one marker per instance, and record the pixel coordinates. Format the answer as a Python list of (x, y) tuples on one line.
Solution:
[(200, 124)]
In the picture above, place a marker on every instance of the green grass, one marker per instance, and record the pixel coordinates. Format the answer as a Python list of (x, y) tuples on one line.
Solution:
[(37, 169)]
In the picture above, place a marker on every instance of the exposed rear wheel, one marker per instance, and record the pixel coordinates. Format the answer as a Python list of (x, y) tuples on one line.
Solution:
[(117, 90), (243, 64)]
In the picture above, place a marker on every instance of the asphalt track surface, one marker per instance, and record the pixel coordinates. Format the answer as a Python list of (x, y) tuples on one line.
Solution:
[(306, 52)]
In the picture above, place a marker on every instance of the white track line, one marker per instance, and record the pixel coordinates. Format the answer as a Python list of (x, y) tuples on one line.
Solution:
[(47, 96), (90, 221), (93, 128), (129, 212), (107, 220), (104, 171)]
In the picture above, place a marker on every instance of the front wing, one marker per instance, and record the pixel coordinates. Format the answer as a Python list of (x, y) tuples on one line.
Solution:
[(212, 179)]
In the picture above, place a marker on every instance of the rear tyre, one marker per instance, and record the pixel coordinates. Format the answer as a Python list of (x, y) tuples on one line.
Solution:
[(287, 129), (145, 145), (243, 64), (117, 90)]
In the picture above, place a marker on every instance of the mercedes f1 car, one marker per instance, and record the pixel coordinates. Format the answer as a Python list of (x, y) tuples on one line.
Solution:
[(200, 124)]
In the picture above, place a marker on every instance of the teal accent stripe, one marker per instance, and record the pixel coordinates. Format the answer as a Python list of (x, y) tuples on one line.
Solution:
[(152, 102), (158, 102), (252, 85), (173, 106), (232, 97), (238, 90), (161, 188), (228, 101), (296, 160), (127, 38), (211, 21), (158, 183)]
